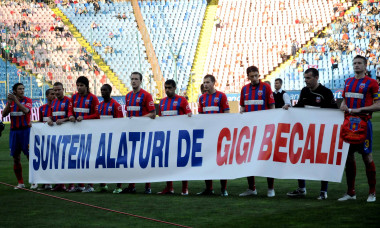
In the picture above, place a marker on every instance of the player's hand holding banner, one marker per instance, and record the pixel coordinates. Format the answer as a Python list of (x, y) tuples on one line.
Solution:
[(293, 144)]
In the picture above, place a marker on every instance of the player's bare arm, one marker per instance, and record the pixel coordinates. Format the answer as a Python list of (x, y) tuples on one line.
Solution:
[(373, 108), (242, 109), (151, 115), (343, 106)]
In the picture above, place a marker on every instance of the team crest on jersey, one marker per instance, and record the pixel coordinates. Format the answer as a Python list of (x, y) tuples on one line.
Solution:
[(110, 109), (362, 86), (355, 123), (318, 99), (62, 105), (216, 99), (260, 92), (175, 103), (138, 99), (87, 102)]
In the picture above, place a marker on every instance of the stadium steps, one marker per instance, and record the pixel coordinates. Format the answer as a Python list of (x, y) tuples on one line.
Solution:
[(84, 43), (48, 83), (151, 54), (282, 66), (201, 54)]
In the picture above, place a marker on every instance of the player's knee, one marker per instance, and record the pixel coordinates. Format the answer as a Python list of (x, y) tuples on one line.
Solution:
[(16, 159), (367, 158)]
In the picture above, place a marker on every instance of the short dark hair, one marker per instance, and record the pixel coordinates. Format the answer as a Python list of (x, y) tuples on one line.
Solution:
[(279, 80), (84, 80), (48, 91), (108, 87), (139, 74), (361, 57), (252, 69), (211, 77), (14, 88), (171, 82), (58, 84), (313, 71)]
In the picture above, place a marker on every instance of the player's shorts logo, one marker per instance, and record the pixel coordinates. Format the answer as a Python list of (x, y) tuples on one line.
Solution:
[(355, 123), (362, 86), (318, 99), (260, 92), (216, 99)]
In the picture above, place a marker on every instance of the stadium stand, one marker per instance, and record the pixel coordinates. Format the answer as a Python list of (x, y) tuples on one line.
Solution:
[(174, 27), (240, 39), (45, 46), (113, 33), (352, 33), (33, 88)]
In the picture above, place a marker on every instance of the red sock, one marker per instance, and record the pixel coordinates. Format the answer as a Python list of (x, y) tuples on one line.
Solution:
[(223, 184), (118, 185), (184, 186), (350, 177), (147, 185), (17, 168), (208, 184), (169, 185), (131, 185), (251, 183), (371, 177), (270, 183)]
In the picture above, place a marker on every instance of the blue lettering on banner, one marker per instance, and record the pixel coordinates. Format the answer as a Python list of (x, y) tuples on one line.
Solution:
[(197, 147), (85, 151), (54, 151), (36, 162), (157, 150), (44, 161), (134, 137), (122, 153), (73, 151), (183, 135), (144, 160), (66, 140), (101, 156), (110, 161)]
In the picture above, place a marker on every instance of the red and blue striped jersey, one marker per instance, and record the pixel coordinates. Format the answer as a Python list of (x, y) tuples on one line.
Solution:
[(111, 109), (44, 112), (360, 92), (213, 103), (139, 104), (61, 109), (20, 120), (256, 97), (174, 106), (86, 106)]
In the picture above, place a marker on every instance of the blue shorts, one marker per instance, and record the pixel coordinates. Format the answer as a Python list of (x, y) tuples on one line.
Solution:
[(366, 147), (19, 141)]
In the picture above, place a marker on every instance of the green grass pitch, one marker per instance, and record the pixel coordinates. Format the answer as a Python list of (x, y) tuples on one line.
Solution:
[(19, 208)]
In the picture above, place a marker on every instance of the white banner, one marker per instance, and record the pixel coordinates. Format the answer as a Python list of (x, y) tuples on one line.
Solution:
[(294, 144)]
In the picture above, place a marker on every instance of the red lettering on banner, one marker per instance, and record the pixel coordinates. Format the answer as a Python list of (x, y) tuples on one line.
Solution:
[(339, 154), (332, 144), (241, 158), (280, 142), (233, 146), (321, 157), (308, 150), (229, 150), (295, 157), (252, 143), (224, 133), (267, 141)]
